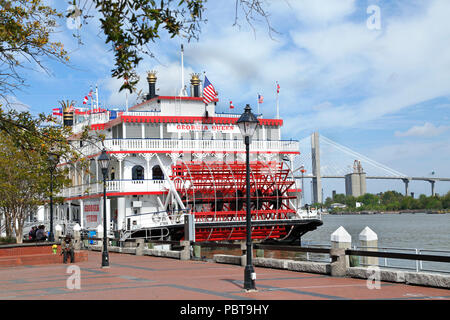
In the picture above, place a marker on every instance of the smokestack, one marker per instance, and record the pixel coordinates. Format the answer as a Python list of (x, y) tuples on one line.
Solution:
[(67, 107), (68, 118), (195, 85), (151, 79)]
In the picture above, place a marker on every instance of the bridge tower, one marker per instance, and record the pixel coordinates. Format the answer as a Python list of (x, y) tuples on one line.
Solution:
[(316, 181)]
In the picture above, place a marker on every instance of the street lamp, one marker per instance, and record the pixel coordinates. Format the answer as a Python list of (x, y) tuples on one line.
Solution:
[(247, 124), (53, 160), (103, 159)]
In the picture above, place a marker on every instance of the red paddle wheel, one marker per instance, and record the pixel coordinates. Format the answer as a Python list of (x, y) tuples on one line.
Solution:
[(215, 193)]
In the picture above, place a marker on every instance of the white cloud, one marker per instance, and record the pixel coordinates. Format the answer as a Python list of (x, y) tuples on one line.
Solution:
[(322, 11), (427, 130), (11, 102)]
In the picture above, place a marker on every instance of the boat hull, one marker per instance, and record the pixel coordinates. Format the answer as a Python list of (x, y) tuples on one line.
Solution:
[(284, 231)]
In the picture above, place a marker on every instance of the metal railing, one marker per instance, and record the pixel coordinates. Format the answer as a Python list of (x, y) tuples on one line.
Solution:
[(417, 255), (147, 185)]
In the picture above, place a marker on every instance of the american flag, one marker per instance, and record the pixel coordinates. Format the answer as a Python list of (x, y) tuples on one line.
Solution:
[(260, 98), (209, 93), (57, 111)]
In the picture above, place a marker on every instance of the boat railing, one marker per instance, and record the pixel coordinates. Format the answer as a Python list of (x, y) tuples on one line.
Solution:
[(147, 185)]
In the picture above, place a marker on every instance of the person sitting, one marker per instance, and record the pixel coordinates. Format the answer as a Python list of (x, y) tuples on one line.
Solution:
[(67, 249), (32, 234), (40, 233)]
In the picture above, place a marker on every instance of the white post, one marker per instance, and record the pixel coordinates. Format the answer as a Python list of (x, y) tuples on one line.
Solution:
[(77, 236), (341, 239), (58, 233), (100, 235), (368, 238), (81, 213), (121, 207)]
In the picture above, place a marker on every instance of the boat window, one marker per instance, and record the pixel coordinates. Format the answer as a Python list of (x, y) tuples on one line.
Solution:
[(138, 173), (157, 173)]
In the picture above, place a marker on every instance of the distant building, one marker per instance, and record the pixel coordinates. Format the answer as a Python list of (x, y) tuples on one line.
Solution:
[(337, 205)]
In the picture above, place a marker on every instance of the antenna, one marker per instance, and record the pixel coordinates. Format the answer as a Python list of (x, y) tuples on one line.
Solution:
[(183, 92), (96, 94)]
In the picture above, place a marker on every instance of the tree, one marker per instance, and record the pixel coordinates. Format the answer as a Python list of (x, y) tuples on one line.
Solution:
[(24, 176), (129, 26), (25, 29), (24, 181)]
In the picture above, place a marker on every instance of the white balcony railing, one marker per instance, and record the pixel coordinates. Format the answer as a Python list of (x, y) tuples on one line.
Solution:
[(116, 186), (199, 145), (95, 118)]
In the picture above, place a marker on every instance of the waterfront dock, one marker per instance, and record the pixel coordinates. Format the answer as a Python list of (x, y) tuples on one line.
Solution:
[(156, 278)]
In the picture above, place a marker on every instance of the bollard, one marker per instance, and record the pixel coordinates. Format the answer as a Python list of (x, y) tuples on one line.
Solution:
[(185, 253), (140, 247), (343, 240), (58, 233), (100, 235), (77, 237), (338, 262), (368, 238)]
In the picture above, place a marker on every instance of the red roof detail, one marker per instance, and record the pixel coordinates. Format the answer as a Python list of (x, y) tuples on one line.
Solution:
[(181, 119)]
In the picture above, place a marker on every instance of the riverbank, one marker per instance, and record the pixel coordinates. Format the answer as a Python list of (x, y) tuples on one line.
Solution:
[(390, 212)]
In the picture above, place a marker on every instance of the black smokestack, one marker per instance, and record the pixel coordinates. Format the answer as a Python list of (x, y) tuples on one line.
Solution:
[(151, 79), (195, 85)]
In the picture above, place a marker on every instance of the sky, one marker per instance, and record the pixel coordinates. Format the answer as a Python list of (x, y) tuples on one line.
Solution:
[(371, 75)]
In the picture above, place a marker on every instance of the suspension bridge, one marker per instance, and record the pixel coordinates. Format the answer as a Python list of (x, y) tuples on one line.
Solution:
[(321, 158)]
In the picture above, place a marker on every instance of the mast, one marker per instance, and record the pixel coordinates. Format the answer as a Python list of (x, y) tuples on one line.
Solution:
[(183, 92)]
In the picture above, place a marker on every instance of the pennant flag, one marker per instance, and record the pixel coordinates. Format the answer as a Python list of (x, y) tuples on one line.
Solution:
[(260, 98), (278, 88), (57, 111), (209, 93), (231, 105)]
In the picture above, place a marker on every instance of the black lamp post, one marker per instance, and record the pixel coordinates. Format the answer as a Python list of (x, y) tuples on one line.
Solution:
[(247, 124), (104, 164), (53, 160)]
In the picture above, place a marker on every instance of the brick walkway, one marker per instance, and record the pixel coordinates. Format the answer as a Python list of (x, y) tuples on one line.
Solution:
[(145, 277)]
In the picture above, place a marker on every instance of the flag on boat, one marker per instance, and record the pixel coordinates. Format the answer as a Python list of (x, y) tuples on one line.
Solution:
[(209, 93), (57, 111), (260, 98), (278, 88), (90, 93), (231, 105), (85, 100)]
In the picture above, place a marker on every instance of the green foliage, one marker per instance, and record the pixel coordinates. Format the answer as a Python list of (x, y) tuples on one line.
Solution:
[(25, 30), (129, 25), (390, 201), (7, 240)]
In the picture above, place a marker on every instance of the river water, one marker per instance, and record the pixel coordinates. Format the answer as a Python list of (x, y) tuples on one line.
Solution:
[(407, 230)]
